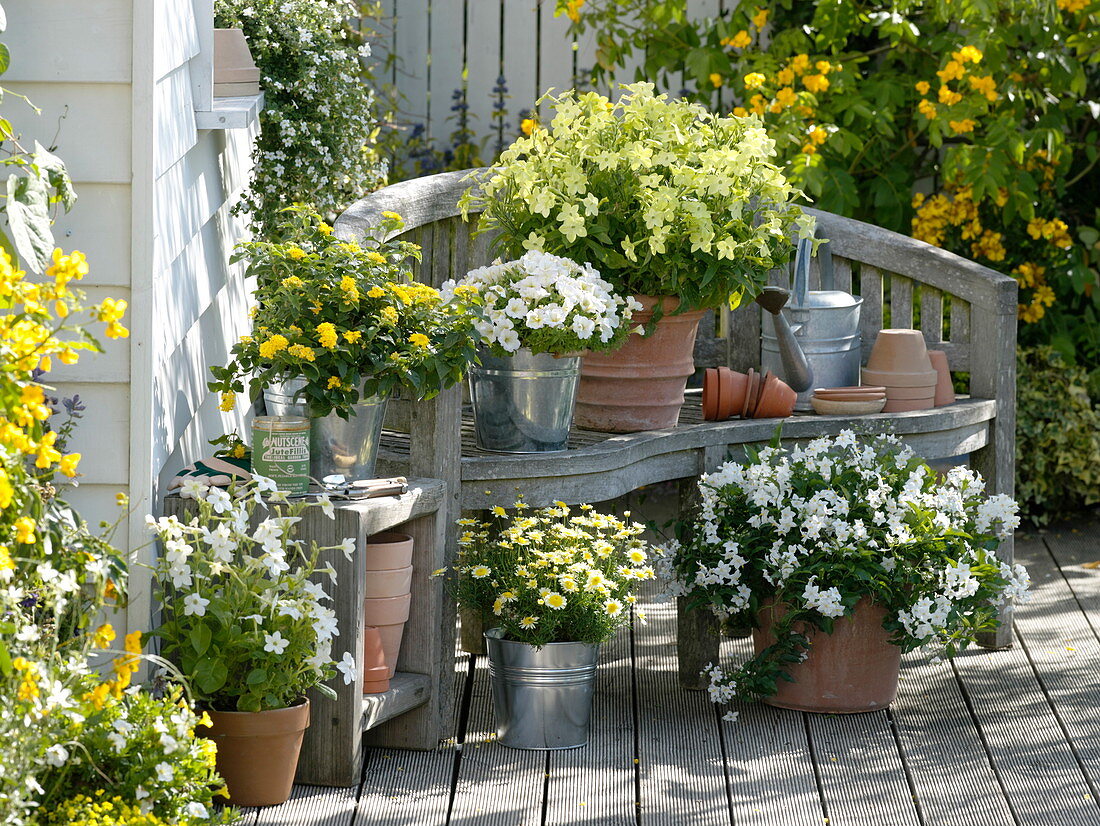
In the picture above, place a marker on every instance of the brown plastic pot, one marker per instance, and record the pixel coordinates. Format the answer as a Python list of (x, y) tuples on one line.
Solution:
[(258, 752), (641, 385), (945, 390), (376, 674), (386, 551), (388, 615), (853, 669), (391, 583)]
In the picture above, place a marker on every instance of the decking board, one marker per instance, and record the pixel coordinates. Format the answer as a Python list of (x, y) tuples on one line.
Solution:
[(996, 738)]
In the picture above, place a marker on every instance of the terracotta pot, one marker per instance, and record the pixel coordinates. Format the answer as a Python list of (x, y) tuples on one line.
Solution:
[(907, 405), (750, 384), (710, 394), (853, 669), (754, 393), (641, 385), (258, 752), (376, 674), (739, 388), (899, 351), (388, 583), (907, 393), (235, 72), (945, 390), (386, 551), (388, 615), (776, 400), (888, 379)]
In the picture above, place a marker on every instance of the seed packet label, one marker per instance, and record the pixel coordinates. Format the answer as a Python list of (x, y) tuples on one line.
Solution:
[(282, 456)]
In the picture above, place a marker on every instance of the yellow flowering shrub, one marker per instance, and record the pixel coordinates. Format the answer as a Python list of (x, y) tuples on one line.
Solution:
[(551, 575), (344, 316)]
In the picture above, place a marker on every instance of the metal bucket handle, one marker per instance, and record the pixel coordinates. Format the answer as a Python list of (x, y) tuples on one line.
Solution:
[(804, 254)]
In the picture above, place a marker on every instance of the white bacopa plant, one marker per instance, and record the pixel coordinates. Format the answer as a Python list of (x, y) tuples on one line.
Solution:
[(545, 303), (821, 526)]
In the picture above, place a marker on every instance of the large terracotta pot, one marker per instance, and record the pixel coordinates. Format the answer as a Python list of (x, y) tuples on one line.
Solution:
[(386, 551), (641, 385), (388, 615), (258, 752), (853, 669)]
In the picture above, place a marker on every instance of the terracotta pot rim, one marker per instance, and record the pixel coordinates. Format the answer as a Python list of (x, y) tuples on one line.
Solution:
[(388, 538), (261, 723)]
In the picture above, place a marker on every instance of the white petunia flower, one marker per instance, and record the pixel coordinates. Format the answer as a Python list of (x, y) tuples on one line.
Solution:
[(275, 643), (195, 605), (348, 668)]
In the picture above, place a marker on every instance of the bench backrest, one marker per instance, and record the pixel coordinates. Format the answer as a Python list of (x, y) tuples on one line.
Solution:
[(962, 307)]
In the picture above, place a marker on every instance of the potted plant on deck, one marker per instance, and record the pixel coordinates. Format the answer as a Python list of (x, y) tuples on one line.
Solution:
[(537, 314), (842, 554), (555, 584), (670, 203), (248, 630), (339, 326)]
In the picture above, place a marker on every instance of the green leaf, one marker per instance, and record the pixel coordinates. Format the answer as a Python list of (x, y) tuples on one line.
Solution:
[(200, 639), (57, 175), (210, 675), (5, 58), (256, 676), (5, 661), (29, 220)]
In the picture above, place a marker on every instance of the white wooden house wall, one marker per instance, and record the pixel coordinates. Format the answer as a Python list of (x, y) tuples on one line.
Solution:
[(153, 217), (434, 41)]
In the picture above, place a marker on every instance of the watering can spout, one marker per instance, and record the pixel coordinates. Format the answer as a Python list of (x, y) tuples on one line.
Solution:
[(796, 367)]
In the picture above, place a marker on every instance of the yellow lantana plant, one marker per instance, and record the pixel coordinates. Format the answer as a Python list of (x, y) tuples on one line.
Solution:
[(344, 316), (659, 195), (551, 575)]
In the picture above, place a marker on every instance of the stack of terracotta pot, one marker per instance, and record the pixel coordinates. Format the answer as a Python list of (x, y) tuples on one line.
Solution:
[(728, 393), (899, 362), (385, 606)]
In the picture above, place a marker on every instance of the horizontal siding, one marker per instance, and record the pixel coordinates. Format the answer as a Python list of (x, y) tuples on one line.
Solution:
[(99, 226), (110, 366), (174, 127), (176, 35), (89, 122), (103, 437), (80, 41), (96, 503)]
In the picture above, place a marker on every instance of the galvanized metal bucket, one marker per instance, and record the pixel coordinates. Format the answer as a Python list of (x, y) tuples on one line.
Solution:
[(336, 446), (826, 326), (523, 403), (542, 697)]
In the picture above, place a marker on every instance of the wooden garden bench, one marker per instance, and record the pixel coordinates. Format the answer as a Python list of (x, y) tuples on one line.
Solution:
[(963, 308)]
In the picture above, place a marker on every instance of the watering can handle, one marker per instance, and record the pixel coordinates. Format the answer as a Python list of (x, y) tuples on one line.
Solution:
[(802, 272)]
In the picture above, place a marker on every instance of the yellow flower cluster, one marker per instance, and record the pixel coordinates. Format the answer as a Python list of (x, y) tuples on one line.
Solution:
[(414, 293), (936, 215), (99, 810), (955, 70), (573, 9), (1032, 276), (1056, 231), (800, 68), (327, 335)]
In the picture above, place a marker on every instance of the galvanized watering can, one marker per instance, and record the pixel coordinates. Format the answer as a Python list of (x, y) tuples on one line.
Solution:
[(819, 344)]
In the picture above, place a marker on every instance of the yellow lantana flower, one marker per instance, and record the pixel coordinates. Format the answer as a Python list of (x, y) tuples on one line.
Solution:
[(352, 336), (420, 340), (68, 465), (327, 336), (923, 87), (228, 401), (760, 18), (754, 80)]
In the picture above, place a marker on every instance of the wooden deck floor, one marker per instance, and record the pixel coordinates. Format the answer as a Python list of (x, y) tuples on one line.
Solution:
[(1007, 737)]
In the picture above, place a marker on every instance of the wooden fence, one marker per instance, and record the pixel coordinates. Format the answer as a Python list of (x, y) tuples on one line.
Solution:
[(443, 45)]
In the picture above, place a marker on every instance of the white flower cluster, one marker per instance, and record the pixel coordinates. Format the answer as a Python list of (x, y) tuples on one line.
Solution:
[(543, 292), (197, 555), (801, 516)]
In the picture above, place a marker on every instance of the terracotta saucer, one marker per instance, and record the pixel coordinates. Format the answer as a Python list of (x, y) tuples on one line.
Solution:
[(822, 392), (853, 396)]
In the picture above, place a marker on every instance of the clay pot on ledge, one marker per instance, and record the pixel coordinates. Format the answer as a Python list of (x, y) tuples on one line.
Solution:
[(387, 596), (899, 362), (641, 385), (376, 674), (945, 390), (853, 669), (723, 393), (258, 752)]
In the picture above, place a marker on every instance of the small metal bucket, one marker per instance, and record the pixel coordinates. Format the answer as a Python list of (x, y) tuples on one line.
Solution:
[(542, 697), (523, 403), (336, 446)]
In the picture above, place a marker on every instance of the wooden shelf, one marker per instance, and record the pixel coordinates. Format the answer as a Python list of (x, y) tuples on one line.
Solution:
[(231, 113), (407, 691)]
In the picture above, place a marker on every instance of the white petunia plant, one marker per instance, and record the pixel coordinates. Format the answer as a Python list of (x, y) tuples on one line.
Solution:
[(243, 621), (544, 303), (821, 526)]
